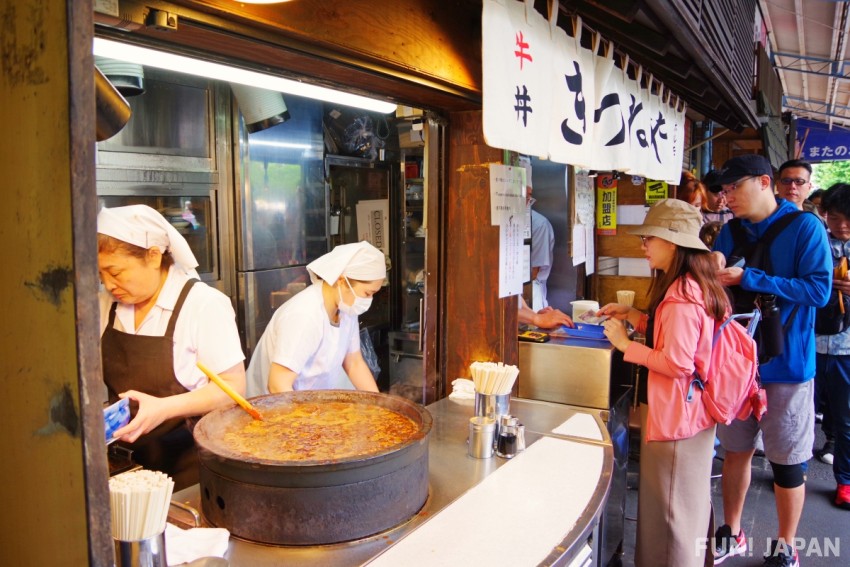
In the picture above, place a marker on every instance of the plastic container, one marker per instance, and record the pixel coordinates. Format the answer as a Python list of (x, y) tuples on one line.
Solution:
[(582, 305)]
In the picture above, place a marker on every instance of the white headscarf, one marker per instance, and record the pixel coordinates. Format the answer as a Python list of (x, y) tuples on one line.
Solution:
[(358, 261), (143, 226)]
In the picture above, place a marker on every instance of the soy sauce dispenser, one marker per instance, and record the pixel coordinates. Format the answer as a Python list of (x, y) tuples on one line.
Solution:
[(511, 439)]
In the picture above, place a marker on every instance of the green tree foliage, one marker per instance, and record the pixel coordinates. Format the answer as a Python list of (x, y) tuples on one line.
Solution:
[(827, 174)]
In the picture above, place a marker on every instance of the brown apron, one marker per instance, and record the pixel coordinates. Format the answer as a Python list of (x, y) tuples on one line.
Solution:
[(146, 363)]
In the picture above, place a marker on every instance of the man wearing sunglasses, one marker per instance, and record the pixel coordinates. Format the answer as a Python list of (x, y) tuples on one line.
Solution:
[(793, 181), (800, 279)]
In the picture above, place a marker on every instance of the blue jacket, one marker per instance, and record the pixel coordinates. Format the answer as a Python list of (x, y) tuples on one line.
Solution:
[(802, 265)]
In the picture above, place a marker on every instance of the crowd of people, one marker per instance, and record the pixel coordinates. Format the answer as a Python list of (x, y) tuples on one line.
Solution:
[(738, 238)]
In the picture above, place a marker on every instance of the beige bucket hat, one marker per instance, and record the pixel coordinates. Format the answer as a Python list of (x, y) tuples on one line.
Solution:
[(675, 221)]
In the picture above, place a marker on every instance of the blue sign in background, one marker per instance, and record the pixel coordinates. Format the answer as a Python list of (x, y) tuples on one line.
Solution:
[(817, 142)]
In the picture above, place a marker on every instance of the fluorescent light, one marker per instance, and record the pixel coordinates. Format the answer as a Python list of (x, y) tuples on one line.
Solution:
[(188, 65), (285, 145)]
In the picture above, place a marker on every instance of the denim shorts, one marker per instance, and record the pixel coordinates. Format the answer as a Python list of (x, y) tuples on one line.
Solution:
[(788, 427)]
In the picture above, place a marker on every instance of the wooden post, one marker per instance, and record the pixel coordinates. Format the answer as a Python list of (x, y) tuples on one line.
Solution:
[(479, 325)]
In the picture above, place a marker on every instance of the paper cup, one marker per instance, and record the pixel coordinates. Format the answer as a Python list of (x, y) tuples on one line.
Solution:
[(626, 297)]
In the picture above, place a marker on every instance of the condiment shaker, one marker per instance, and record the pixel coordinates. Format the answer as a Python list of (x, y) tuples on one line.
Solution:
[(506, 444), (482, 432)]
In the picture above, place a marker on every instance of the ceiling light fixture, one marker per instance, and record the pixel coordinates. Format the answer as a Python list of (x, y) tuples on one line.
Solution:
[(210, 70)]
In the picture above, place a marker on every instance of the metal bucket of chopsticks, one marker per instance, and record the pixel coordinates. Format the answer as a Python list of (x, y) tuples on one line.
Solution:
[(493, 384)]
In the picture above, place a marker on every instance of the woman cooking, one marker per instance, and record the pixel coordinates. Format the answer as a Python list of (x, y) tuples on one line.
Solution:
[(315, 335), (157, 321)]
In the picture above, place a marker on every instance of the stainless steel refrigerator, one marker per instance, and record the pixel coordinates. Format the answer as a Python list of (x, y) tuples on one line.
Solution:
[(282, 215)]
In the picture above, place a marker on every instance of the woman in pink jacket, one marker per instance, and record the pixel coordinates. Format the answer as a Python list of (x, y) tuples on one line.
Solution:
[(677, 435)]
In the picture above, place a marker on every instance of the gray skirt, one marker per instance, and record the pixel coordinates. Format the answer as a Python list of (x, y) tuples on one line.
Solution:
[(674, 523)]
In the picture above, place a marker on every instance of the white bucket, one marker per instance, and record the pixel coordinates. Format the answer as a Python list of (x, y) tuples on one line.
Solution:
[(581, 306)]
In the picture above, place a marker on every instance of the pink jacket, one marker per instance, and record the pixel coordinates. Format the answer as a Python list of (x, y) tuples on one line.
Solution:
[(682, 341)]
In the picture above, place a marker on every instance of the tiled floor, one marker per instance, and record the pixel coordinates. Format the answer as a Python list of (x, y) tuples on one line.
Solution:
[(824, 529)]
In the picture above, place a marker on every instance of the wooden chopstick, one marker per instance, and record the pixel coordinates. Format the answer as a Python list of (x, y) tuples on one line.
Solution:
[(243, 403)]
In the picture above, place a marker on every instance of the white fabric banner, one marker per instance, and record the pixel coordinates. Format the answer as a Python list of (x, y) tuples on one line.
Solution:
[(609, 147), (545, 95), (573, 95), (516, 73), (637, 127)]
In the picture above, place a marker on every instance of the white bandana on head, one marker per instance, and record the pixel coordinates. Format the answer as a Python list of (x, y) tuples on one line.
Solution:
[(143, 226), (358, 261)]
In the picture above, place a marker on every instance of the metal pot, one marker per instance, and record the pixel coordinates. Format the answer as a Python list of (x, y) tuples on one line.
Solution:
[(312, 503)]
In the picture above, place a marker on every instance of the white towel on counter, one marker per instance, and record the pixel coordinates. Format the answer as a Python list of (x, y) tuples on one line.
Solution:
[(183, 546), (462, 389)]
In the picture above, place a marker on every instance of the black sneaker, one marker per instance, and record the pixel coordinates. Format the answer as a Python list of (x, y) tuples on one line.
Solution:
[(826, 455), (726, 545), (781, 555)]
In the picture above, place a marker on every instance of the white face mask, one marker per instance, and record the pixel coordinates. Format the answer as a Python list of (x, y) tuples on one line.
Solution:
[(360, 305)]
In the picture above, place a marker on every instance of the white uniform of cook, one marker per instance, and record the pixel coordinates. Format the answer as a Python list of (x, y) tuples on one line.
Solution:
[(300, 335)]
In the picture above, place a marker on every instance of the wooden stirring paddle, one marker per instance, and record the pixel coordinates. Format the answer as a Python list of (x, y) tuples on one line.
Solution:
[(243, 403)]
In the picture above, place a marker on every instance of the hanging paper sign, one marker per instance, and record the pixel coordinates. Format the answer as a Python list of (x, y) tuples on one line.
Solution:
[(655, 191), (573, 94), (506, 185), (606, 210), (516, 63), (675, 153), (511, 252)]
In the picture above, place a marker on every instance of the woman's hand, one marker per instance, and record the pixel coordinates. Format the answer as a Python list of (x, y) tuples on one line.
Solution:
[(615, 331), (152, 412), (615, 311)]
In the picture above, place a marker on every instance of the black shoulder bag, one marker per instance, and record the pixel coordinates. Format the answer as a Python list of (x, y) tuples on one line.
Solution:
[(770, 334)]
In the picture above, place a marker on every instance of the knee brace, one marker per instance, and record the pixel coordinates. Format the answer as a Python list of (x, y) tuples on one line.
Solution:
[(787, 476)]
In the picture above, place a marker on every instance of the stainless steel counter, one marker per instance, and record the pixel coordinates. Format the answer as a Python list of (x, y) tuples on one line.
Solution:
[(452, 474)]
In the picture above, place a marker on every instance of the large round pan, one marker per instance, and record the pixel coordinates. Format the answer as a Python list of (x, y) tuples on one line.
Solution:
[(312, 502)]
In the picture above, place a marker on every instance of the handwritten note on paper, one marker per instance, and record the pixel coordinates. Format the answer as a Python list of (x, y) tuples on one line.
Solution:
[(585, 198), (511, 249), (506, 188)]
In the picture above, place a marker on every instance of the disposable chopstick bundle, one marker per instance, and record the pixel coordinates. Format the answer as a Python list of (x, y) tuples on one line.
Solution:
[(139, 502), (492, 377)]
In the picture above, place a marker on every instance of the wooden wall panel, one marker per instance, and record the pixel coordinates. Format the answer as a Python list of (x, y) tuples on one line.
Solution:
[(53, 483), (607, 286), (478, 325), (430, 44), (620, 245)]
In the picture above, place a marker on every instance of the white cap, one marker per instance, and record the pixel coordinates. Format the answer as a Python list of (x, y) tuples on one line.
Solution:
[(143, 226), (358, 261)]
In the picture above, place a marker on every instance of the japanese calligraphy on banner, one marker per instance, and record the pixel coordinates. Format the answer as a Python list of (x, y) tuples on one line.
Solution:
[(522, 44), (606, 209), (655, 191), (547, 96)]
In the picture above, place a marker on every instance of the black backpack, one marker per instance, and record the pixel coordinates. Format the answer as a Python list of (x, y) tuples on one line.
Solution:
[(770, 334), (834, 317)]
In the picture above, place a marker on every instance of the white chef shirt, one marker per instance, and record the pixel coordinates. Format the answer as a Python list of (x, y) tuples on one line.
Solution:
[(542, 251), (205, 331), (301, 337)]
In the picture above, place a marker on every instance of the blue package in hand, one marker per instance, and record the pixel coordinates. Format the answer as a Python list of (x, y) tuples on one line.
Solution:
[(115, 417)]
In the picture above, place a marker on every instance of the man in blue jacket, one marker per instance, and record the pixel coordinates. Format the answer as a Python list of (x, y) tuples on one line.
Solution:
[(800, 278)]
